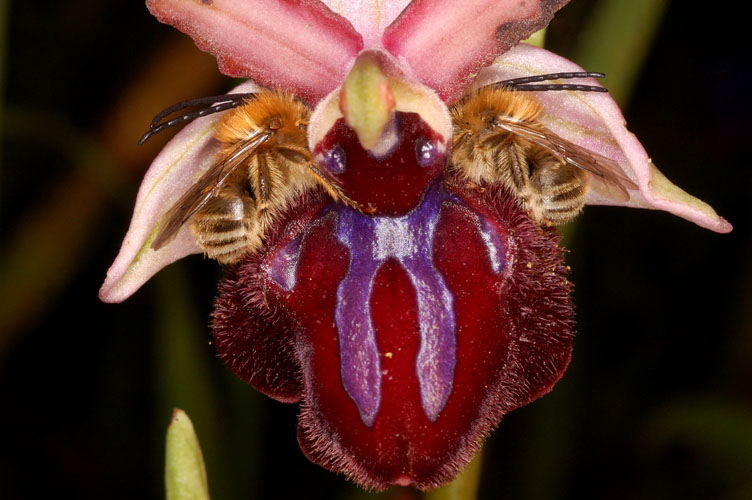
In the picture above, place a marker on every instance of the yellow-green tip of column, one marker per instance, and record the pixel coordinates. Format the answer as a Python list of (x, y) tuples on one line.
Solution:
[(366, 100), (185, 474)]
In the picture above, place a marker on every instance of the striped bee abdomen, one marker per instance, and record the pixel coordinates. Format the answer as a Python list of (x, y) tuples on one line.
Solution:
[(226, 227), (559, 191)]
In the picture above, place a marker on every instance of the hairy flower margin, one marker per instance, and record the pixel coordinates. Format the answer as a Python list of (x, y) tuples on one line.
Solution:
[(308, 48)]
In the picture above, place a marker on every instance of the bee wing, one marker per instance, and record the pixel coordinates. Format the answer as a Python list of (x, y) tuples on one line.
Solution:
[(206, 188), (607, 174)]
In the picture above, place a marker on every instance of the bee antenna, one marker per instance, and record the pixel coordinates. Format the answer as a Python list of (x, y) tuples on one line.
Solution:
[(560, 86), (211, 105), (523, 83)]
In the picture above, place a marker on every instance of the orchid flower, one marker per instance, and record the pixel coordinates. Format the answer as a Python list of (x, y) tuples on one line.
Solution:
[(407, 331)]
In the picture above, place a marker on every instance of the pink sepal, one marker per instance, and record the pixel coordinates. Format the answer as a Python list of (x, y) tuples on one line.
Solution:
[(593, 120), (172, 172), (298, 46), (369, 18), (445, 42)]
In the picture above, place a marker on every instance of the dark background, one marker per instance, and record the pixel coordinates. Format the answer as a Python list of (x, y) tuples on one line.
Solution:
[(657, 400)]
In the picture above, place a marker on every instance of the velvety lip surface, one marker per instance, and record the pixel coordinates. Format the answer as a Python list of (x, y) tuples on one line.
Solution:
[(501, 336)]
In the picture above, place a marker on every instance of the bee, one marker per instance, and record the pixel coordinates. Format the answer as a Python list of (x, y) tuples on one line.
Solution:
[(262, 164), (499, 140)]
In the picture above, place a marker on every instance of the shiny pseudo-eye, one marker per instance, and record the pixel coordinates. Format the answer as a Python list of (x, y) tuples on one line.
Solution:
[(262, 164), (498, 139)]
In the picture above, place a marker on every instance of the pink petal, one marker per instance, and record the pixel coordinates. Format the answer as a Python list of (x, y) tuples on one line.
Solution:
[(369, 18), (299, 46), (594, 121), (445, 41), (171, 173)]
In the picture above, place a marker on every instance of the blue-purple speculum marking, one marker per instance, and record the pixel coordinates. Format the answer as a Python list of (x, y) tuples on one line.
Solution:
[(408, 240)]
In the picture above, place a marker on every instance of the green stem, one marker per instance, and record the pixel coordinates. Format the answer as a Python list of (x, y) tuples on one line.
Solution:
[(616, 41), (464, 486), (183, 370)]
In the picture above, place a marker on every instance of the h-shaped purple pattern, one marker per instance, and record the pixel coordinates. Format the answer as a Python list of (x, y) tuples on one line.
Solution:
[(408, 239)]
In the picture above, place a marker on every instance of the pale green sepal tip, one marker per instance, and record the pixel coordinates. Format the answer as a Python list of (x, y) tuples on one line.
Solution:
[(185, 474)]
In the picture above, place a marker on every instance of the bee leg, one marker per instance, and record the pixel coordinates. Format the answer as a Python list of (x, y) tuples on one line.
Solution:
[(475, 187), (518, 167), (262, 180), (514, 171), (334, 190)]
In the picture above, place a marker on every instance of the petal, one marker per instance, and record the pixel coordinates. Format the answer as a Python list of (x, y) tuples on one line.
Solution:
[(369, 18), (433, 37), (255, 340), (301, 47), (440, 378), (257, 346), (170, 175), (593, 120), (413, 336)]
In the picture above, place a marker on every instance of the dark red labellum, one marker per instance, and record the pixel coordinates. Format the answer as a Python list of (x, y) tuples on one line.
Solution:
[(407, 333), (391, 184), (406, 345)]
